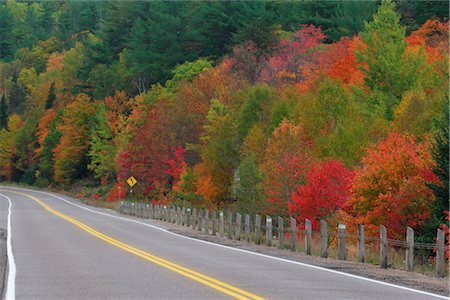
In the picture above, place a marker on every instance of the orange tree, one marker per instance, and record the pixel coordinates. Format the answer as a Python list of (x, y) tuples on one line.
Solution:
[(390, 187)]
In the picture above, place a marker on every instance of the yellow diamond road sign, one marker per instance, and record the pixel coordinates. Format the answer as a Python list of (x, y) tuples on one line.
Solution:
[(131, 181)]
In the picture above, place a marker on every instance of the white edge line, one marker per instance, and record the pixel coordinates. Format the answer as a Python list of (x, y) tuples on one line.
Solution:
[(241, 250), (11, 287)]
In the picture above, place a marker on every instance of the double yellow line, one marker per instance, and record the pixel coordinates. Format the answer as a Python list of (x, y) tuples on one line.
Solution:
[(199, 277)]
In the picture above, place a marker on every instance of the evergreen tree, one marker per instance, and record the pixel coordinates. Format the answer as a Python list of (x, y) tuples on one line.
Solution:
[(103, 150), (51, 96), (440, 152), (16, 97), (3, 113), (6, 40)]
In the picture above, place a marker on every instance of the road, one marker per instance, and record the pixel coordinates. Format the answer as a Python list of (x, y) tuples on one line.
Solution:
[(65, 250)]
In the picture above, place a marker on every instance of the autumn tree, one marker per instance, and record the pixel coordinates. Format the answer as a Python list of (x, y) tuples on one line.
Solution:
[(287, 158), (219, 150), (71, 152), (48, 137), (325, 191), (7, 146), (292, 56), (390, 188)]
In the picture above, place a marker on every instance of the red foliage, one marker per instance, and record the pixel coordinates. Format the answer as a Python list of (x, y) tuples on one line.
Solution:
[(286, 161), (391, 186), (326, 190), (119, 191), (44, 127), (176, 165), (292, 57), (151, 156)]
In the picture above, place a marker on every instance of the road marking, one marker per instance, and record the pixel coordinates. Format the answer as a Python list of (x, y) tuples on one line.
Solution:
[(199, 277), (242, 250), (11, 287)]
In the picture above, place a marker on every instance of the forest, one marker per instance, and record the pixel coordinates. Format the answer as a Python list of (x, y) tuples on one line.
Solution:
[(322, 110)]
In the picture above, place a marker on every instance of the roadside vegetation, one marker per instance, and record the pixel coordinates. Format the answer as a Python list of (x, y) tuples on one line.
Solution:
[(318, 110)]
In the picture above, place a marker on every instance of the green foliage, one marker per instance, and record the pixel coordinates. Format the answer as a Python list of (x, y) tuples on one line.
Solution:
[(25, 143), (382, 57), (51, 97), (255, 109), (45, 171), (103, 150), (3, 112), (247, 187), (219, 149), (187, 71)]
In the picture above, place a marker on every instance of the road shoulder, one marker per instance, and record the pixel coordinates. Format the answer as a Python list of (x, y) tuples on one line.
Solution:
[(394, 276)]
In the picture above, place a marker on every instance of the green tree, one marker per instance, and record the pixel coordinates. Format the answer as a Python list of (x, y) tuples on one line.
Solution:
[(440, 152), (219, 150), (51, 96), (382, 57), (3, 112), (103, 150), (25, 144), (247, 187), (45, 170), (6, 41), (187, 71)]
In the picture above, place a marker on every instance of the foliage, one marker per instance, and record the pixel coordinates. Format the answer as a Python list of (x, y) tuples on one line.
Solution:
[(70, 153), (326, 190), (261, 106), (390, 188)]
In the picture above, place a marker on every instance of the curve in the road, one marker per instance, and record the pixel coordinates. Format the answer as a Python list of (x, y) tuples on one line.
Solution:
[(199, 277), (10, 288), (131, 220)]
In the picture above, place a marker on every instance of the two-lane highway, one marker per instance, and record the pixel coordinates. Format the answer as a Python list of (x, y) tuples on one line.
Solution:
[(65, 250)]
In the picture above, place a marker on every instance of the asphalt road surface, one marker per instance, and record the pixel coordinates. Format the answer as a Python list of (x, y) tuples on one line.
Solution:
[(65, 250)]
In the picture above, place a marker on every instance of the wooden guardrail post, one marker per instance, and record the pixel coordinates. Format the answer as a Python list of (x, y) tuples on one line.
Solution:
[(188, 217), (183, 216), (206, 222), (409, 249), (323, 239), (268, 231), (238, 226), (221, 224), (440, 253), (280, 233), (214, 223), (200, 220), (342, 228), (194, 218), (383, 247), (247, 228), (230, 225), (293, 234), (308, 230), (257, 229), (361, 241)]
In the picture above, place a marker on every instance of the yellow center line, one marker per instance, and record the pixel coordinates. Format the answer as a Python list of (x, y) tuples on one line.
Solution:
[(199, 277)]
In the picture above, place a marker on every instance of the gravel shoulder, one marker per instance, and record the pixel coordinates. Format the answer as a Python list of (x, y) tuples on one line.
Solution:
[(399, 277)]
